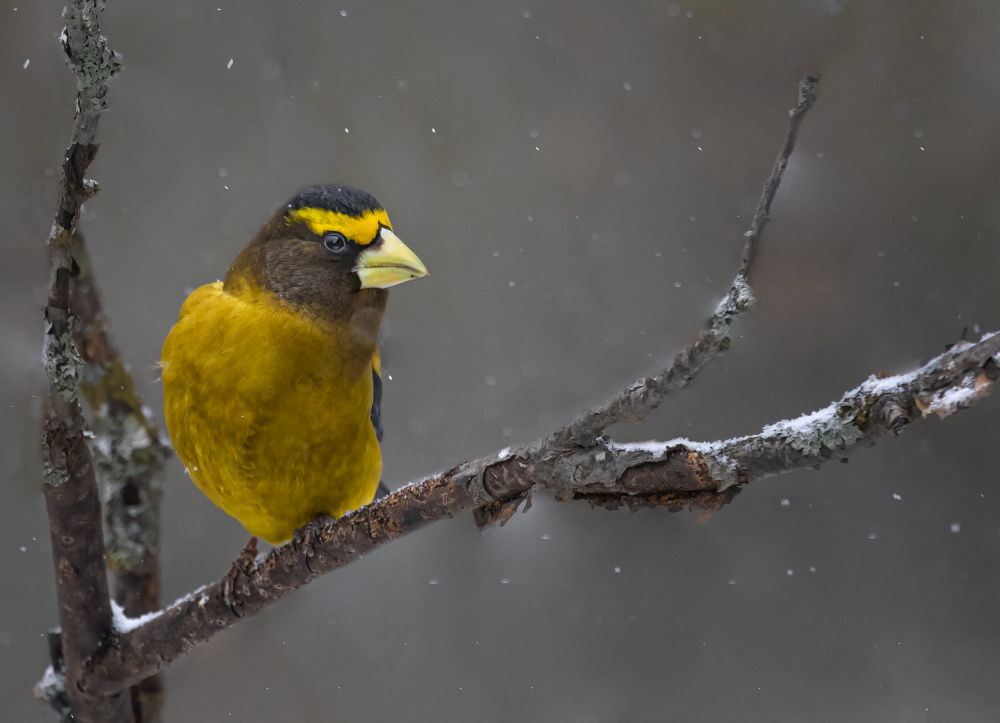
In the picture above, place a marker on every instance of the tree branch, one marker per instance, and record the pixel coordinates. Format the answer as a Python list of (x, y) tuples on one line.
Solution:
[(955, 380), (70, 488), (645, 395)]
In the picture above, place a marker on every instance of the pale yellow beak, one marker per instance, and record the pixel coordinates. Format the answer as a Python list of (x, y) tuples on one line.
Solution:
[(388, 263)]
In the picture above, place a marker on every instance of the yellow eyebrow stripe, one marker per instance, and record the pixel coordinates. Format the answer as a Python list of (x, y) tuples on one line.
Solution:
[(363, 229)]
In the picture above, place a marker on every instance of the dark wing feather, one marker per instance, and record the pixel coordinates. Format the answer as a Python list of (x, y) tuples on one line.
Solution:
[(382, 490), (377, 405)]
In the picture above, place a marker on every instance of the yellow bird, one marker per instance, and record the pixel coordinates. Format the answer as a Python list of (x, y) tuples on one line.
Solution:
[(271, 385)]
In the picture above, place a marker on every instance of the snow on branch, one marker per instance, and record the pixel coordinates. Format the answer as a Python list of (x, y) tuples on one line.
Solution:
[(952, 381)]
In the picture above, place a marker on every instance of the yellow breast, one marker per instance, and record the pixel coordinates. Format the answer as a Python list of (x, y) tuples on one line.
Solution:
[(269, 412)]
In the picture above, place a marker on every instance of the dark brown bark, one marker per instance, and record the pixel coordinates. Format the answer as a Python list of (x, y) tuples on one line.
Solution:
[(70, 488), (331, 544), (73, 505)]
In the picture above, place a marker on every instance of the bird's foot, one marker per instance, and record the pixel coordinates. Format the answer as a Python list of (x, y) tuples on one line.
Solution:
[(306, 536), (243, 564)]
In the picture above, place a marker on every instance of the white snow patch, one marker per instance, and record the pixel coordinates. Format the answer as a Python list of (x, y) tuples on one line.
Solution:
[(184, 598), (800, 425), (656, 449), (52, 681), (887, 385), (124, 624), (948, 401)]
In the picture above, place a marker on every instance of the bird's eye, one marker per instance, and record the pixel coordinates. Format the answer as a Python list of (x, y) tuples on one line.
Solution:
[(334, 242)]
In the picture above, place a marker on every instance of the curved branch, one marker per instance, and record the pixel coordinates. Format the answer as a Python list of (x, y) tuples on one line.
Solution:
[(645, 395)]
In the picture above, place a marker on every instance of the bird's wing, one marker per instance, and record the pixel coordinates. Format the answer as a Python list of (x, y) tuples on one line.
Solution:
[(382, 490), (377, 396)]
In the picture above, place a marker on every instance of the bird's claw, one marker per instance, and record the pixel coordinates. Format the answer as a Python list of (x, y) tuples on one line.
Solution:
[(242, 564), (306, 536)]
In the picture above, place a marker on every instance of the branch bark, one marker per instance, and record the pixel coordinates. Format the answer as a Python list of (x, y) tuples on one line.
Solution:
[(70, 487)]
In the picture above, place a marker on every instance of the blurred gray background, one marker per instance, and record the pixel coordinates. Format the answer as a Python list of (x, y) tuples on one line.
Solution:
[(577, 177)]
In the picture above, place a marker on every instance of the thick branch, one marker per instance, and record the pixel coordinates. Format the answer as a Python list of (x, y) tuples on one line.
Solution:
[(645, 395), (201, 615), (70, 488), (74, 510)]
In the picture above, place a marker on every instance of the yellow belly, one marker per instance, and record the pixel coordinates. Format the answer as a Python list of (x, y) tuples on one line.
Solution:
[(269, 413)]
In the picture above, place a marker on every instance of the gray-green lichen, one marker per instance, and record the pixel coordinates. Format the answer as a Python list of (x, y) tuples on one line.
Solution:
[(55, 471), (739, 300), (126, 456), (723, 470), (811, 433), (62, 362), (92, 61)]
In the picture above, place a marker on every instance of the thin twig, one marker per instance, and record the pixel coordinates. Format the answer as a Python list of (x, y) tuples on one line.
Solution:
[(807, 96), (646, 394)]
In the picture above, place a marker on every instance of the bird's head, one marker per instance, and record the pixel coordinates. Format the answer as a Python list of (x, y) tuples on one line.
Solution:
[(330, 249)]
